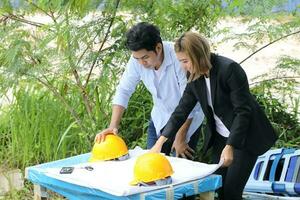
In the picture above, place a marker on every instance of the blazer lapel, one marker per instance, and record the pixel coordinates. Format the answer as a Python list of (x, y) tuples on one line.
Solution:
[(213, 81), (202, 93), (213, 84), (208, 113)]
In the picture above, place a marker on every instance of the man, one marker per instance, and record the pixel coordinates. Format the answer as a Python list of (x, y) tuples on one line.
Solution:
[(154, 62)]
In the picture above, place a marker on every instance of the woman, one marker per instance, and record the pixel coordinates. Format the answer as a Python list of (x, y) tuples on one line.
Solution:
[(237, 129)]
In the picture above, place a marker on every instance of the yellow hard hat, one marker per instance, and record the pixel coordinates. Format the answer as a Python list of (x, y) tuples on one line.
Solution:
[(151, 167), (113, 147)]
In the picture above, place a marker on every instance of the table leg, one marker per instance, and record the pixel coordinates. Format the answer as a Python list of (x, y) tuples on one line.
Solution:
[(40, 192), (207, 196)]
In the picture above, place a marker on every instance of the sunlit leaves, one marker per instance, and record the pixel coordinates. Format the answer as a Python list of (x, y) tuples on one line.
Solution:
[(176, 17)]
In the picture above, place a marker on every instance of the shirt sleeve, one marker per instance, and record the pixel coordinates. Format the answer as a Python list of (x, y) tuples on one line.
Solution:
[(129, 80), (182, 111), (197, 110)]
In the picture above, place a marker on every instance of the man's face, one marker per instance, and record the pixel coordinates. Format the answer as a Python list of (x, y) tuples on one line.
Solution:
[(149, 59)]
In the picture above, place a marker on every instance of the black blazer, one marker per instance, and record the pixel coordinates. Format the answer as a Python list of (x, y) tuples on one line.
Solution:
[(232, 102)]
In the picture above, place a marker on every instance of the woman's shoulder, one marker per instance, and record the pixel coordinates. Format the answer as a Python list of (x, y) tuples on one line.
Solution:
[(221, 60), (224, 66)]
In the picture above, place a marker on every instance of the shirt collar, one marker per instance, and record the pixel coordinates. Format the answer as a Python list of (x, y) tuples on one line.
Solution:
[(167, 57)]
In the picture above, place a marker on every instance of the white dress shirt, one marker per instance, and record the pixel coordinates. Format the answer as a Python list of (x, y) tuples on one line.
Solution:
[(220, 127), (166, 88)]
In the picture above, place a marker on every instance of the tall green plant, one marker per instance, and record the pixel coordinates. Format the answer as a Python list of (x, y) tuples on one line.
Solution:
[(136, 118), (280, 97), (37, 128)]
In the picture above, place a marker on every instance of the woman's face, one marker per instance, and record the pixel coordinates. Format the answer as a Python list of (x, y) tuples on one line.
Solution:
[(185, 61)]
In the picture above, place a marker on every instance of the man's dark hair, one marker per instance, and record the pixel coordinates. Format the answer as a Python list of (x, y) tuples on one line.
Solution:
[(143, 36)]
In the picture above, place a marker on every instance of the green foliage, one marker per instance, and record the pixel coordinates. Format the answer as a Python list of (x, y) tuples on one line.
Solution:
[(252, 8), (176, 17), (264, 26), (67, 50), (73, 58), (25, 193), (136, 118), (285, 124), (278, 90), (37, 128), (280, 99)]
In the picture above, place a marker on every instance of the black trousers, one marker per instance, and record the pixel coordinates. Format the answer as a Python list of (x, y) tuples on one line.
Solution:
[(234, 177)]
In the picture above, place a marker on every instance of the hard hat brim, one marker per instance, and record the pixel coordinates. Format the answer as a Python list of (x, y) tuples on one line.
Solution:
[(134, 182), (92, 159)]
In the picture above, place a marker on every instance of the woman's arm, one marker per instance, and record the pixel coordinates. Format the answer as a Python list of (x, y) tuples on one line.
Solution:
[(180, 145), (240, 99), (178, 117)]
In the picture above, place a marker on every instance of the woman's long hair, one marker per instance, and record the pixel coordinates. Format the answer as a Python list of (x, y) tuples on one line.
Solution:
[(197, 48)]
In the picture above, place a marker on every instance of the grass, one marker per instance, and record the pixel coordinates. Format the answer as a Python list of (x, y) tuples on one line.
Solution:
[(37, 129), (27, 193)]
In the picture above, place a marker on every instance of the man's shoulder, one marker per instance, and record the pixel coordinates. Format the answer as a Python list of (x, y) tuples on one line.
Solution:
[(169, 50), (169, 46), (133, 65), (169, 43)]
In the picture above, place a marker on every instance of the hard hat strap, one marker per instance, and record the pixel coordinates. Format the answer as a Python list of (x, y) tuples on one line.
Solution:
[(122, 158), (160, 182)]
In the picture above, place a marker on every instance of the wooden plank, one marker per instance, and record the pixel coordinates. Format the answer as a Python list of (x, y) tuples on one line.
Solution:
[(207, 196), (40, 192)]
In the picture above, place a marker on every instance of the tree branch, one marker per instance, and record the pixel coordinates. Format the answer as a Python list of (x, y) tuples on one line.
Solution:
[(59, 96), (37, 7), (51, 15), (85, 50), (285, 36), (77, 77), (25, 21), (103, 42), (276, 78)]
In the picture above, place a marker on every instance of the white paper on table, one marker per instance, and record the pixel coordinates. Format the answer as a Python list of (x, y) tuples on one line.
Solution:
[(114, 176)]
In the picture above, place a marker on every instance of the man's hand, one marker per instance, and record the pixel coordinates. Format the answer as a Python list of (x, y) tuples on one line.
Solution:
[(227, 155), (182, 148), (116, 116), (100, 137)]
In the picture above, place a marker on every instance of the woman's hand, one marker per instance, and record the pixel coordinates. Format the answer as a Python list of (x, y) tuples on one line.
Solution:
[(158, 145), (100, 137), (227, 155)]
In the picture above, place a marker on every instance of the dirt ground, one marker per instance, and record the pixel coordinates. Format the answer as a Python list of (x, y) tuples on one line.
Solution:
[(264, 60)]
